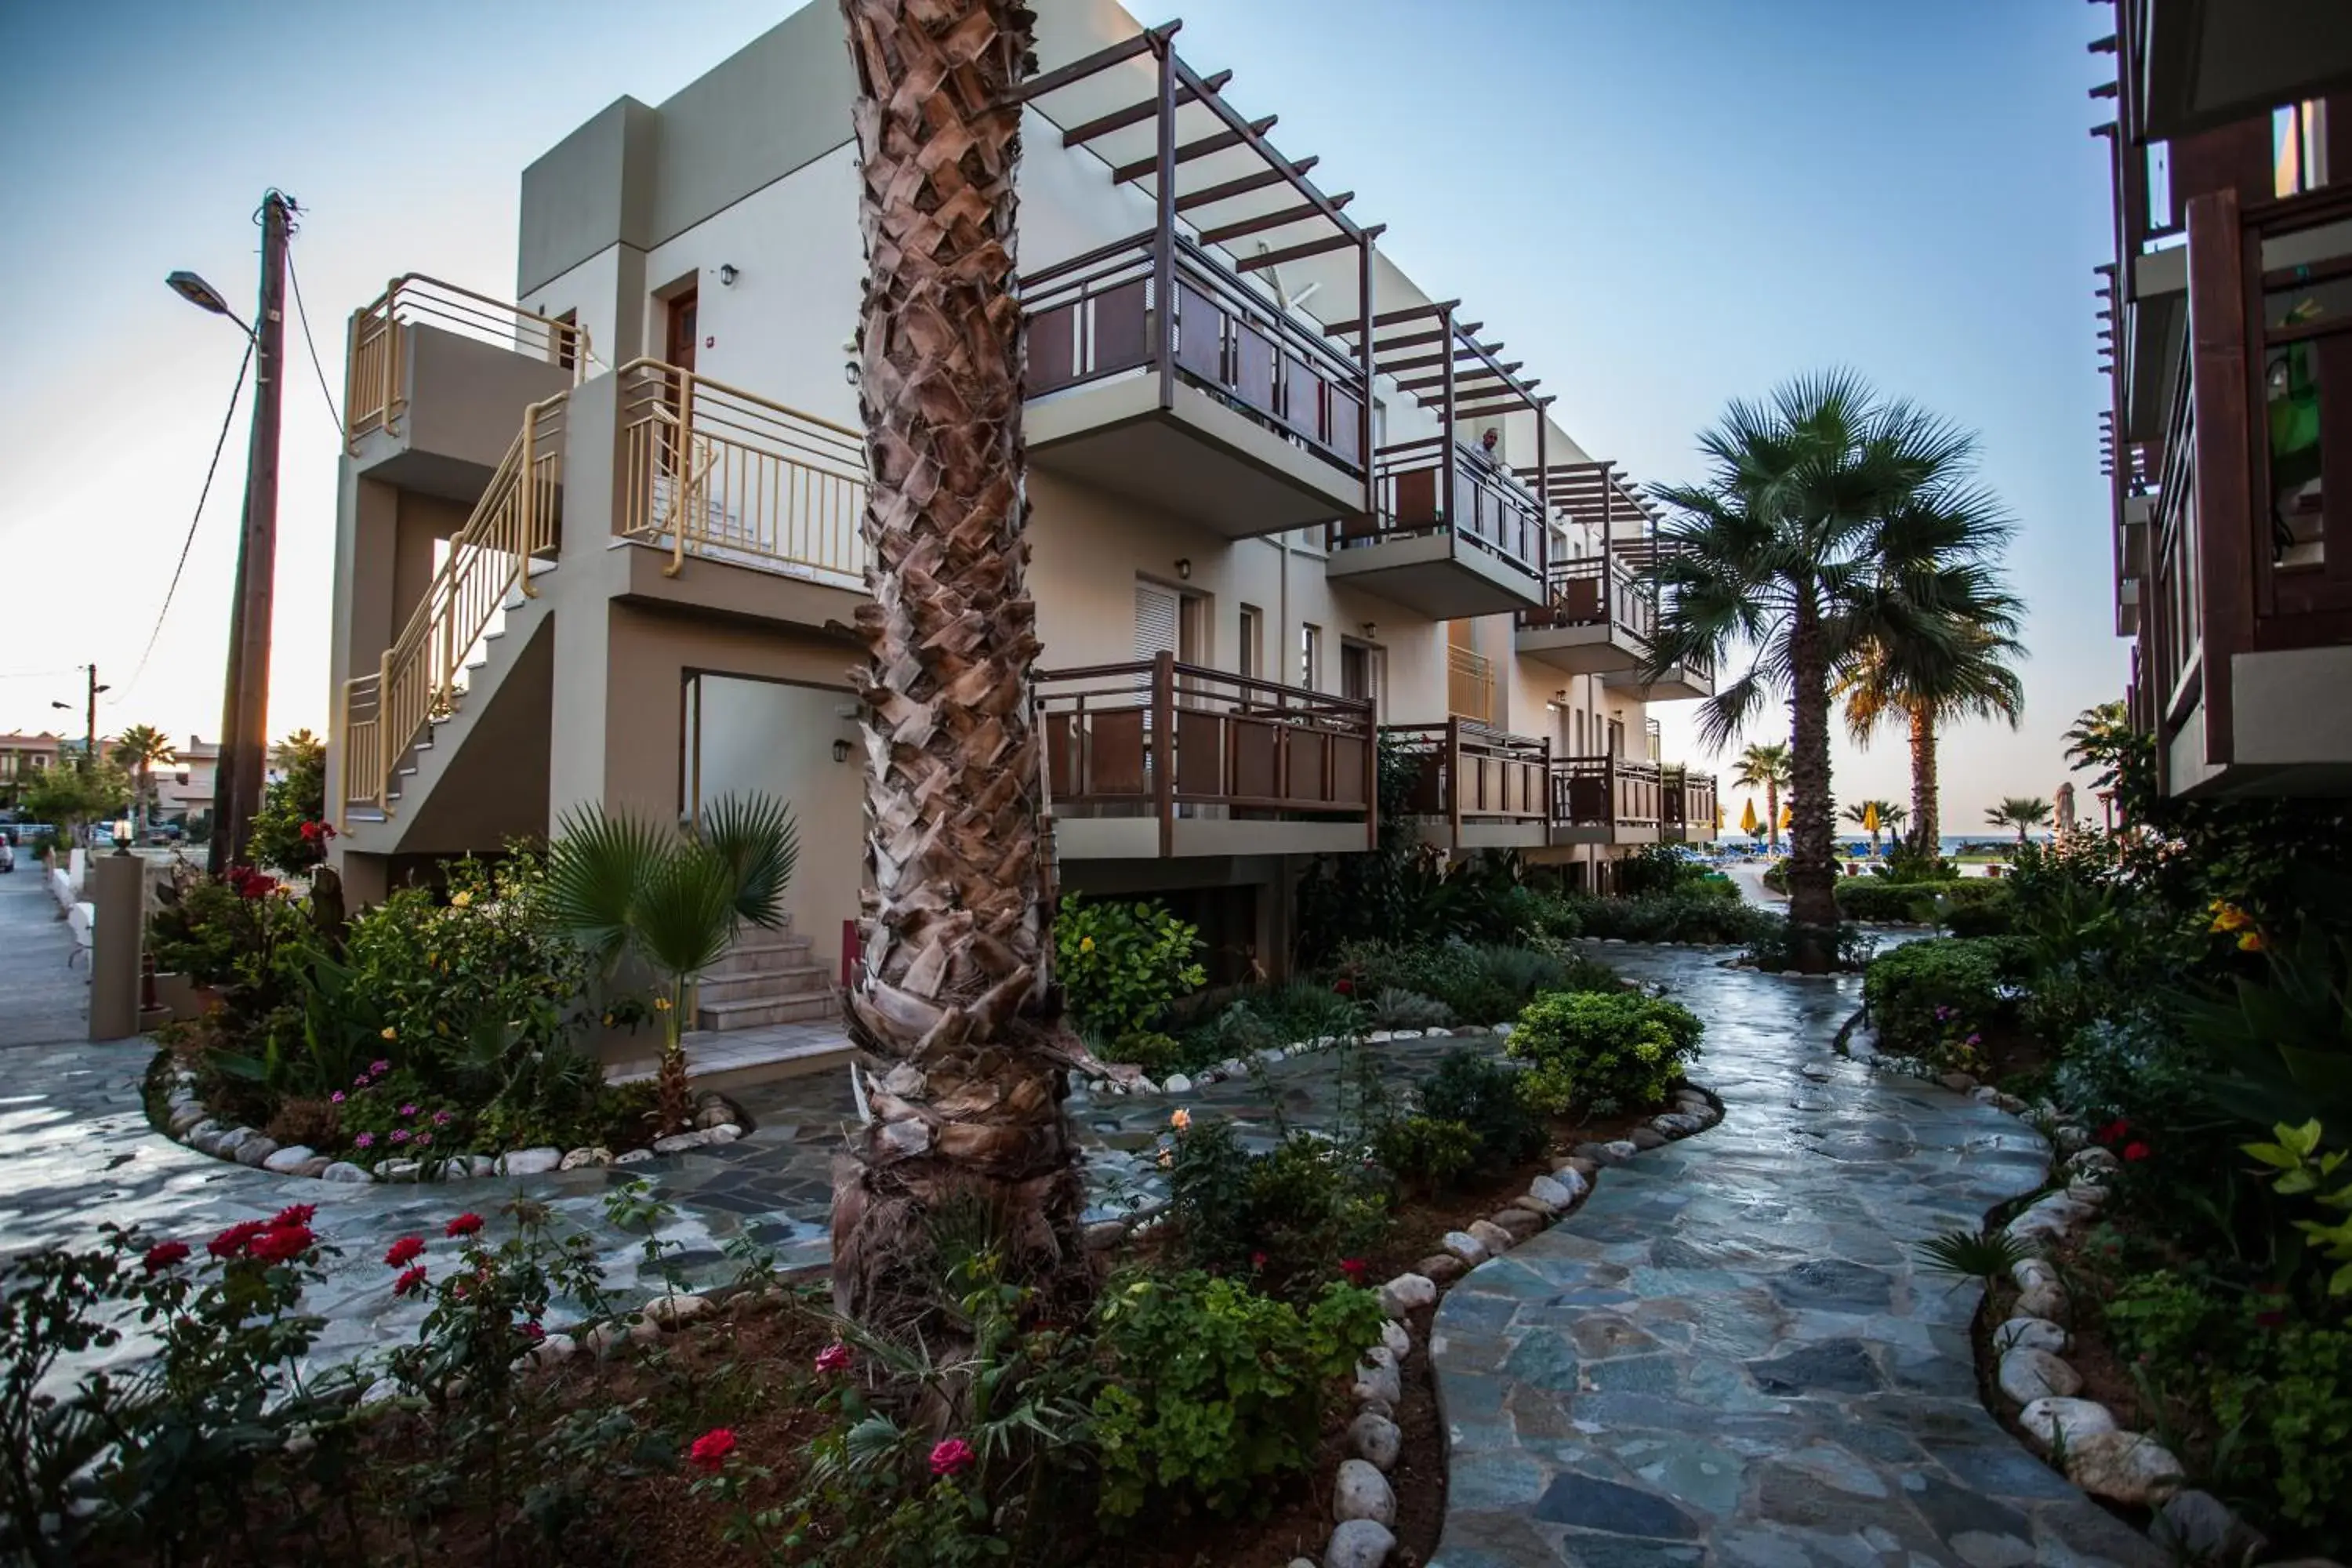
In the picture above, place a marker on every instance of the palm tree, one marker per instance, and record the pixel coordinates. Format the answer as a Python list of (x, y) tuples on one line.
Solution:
[(1887, 817), (139, 748), (2023, 811), (671, 898), (1819, 531), (1765, 767), (1932, 682), (953, 995)]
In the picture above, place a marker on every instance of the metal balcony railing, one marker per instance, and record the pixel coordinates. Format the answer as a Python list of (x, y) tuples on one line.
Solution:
[(1469, 685), (374, 376)]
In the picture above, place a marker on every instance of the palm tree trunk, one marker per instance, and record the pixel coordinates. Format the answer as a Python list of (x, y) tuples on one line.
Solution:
[(1771, 814), (1926, 827), (1813, 874), (952, 1000)]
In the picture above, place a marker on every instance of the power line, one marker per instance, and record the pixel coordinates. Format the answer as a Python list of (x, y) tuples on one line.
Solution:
[(228, 418), (304, 317)]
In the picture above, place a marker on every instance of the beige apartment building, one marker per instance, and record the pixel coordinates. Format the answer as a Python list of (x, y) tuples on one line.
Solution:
[(600, 542)]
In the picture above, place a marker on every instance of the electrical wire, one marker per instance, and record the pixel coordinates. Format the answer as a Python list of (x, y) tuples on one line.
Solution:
[(219, 444), (304, 316)]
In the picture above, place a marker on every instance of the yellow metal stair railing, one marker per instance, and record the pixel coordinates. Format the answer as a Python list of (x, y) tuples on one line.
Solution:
[(419, 678), (375, 379)]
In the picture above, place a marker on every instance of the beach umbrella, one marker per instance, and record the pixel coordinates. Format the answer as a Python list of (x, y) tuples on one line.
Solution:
[(1786, 817), (1748, 818), (1870, 816)]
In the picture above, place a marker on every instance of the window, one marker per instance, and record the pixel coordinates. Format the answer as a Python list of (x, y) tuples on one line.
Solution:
[(1310, 654), (1252, 652), (1580, 733), (1159, 616), (1363, 671), (566, 333), (1616, 737)]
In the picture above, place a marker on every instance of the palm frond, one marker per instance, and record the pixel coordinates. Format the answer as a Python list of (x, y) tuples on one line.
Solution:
[(685, 917), (597, 868), (755, 837)]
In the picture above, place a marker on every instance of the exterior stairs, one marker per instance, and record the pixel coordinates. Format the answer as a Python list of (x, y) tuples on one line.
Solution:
[(769, 977)]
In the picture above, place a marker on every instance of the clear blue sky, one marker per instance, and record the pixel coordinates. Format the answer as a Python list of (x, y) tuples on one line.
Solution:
[(1659, 207)]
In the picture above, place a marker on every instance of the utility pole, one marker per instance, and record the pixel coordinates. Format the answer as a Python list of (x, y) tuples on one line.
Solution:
[(245, 707), (90, 724)]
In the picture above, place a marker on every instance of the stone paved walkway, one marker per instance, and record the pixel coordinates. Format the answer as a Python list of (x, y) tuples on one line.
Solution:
[(1728, 1356)]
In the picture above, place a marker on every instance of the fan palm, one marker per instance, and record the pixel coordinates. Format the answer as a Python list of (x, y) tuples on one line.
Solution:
[(2021, 811), (1926, 683), (1765, 767), (671, 898), (1821, 529), (1875, 817), (953, 994), (139, 749)]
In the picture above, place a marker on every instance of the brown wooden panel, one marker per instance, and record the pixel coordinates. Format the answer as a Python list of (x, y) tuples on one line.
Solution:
[(1343, 422), (1257, 747), (1122, 332), (1579, 599), (1115, 754), (1254, 367), (1428, 797), (1351, 769), (1310, 749), (1199, 753), (1416, 498), (1061, 755), (1302, 397), (1200, 335), (1587, 798), (1053, 349)]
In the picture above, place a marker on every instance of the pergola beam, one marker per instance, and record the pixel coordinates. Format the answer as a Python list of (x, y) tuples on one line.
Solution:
[(1220, 141), (1135, 113), (1310, 247), (1187, 200), (1282, 219), (1146, 42)]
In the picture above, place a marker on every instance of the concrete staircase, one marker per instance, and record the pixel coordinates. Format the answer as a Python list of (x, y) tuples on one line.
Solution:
[(767, 977)]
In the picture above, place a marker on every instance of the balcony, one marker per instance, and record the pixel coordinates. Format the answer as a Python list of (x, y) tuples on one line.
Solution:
[(1606, 800), (1687, 813), (1450, 535), (437, 378), (1678, 682), (2192, 64), (1475, 787), (2245, 615), (1597, 620), (1156, 760)]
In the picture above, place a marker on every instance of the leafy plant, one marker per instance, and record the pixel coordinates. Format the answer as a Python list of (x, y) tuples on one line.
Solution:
[(2285, 1043), (1213, 1395), (1481, 984), (1393, 1007), (1287, 1217), (1483, 1094), (1423, 1152), (1938, 998), (1985, 1255), (1692, 914), (1601, 1052), (1121, 963), (1785, 944), (2303, 1171)]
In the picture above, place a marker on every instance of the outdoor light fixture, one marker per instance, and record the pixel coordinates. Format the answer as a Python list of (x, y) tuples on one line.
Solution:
[(840, 751), (727, 274), (122, 831), (1372, 632), (1184, 567), (188, 286)]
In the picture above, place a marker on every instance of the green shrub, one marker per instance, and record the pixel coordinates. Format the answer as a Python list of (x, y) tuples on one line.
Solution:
[(1666, 868), (1685, 915), (1157, 1054), (1215, 1395), (1884, 900), (1483, 1094), (1480, 983), (1262, 1017), (1288, 1217), (1120, 964), (1908, 863), (1775, 876), (1602, 1053), (1393, 1007), (1780, 945), (1937, 998), (1423, 1152), (1992, 915)]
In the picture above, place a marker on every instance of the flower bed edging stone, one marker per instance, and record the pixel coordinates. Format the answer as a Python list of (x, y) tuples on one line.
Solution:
[(187, 1120)]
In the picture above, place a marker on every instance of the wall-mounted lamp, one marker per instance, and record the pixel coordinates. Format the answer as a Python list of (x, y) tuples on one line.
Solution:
[(1184, 567), (840, 751), (1372, 632), (850, 372), (727, 274)]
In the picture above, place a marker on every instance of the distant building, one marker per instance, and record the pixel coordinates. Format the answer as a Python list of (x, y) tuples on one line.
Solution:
[(184, 787), (23, 758)]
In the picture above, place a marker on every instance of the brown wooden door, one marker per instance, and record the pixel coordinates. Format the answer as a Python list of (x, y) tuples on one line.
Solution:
[(682, 336)]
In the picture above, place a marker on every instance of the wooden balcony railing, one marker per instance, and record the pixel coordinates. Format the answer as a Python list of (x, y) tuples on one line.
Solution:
[(1605, 792), (715, 472), (1598, 591), (374, 378), (1468, 772), (1100, 314), (1159, 739), (1417, 492), (1686, 800)]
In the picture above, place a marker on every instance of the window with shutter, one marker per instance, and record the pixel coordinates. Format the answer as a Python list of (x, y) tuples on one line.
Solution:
[(1156, 614)]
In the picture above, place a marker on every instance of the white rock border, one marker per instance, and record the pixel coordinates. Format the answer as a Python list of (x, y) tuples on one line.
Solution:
[(187, 1120)]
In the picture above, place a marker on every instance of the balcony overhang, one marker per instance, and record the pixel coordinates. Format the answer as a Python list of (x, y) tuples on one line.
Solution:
[(1679, 682), (1624, 834), (1079, 838), (1197, 459), (1436, 573), (2203, 63), (2155, 331), (1590, 648)]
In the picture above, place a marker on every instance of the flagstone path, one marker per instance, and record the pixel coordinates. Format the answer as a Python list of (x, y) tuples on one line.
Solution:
[(1728, 1355)]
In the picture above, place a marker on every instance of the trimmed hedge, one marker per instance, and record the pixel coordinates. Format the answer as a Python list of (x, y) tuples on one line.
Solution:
[(1883, 899), (1689, 915)]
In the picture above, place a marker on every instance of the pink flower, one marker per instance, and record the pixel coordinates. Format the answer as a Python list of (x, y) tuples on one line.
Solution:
[(365, 1140), (441, 1119), (951, 1458), (379, 1067), (360, 1082), (422, 1139), (337, 1098), (408, 1110), (400, 1134), (834, 1357)]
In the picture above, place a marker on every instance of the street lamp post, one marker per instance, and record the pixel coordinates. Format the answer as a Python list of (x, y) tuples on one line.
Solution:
[(244, 703)]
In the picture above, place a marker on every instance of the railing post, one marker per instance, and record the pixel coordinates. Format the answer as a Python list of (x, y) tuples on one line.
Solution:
[(1373, 763), (1544, 799), (1366, 362), (526, 509), (1163, 747), (1163, 243), (1451, 779)]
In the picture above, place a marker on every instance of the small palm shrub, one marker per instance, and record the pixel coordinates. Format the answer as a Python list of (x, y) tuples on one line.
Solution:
[(1985, 1255), (1602, 1053)]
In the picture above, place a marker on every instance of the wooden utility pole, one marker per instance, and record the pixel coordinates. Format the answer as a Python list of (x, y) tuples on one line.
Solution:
[(245, 707), (90, 724)]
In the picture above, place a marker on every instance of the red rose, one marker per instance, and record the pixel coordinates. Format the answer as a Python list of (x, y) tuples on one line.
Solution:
[(408, 1249), (2114, 1132), (295, 1214), (709, 1451), (464, 1224), (950, 1457), (1344, 987), (1353, 1268), (163, 1254), (2136, 1151), (232, 1242), (1258, 1260), (411, 1282), (282, 1243), (530, 1331)]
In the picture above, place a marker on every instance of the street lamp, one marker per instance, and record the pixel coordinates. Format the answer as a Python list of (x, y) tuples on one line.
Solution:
[(192, 287)]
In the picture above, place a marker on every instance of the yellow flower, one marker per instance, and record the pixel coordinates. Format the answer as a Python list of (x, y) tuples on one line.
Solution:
[(1179, 1119), (1086, 945), (661, 1003), (2251, 942), (608, 1020), (2230, 917), (460, 900), (390, 1033)]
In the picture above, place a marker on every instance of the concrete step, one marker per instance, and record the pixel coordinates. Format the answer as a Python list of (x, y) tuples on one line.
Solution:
[(773, 951), (746, 1057), (720, 1017), (793, 980)]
